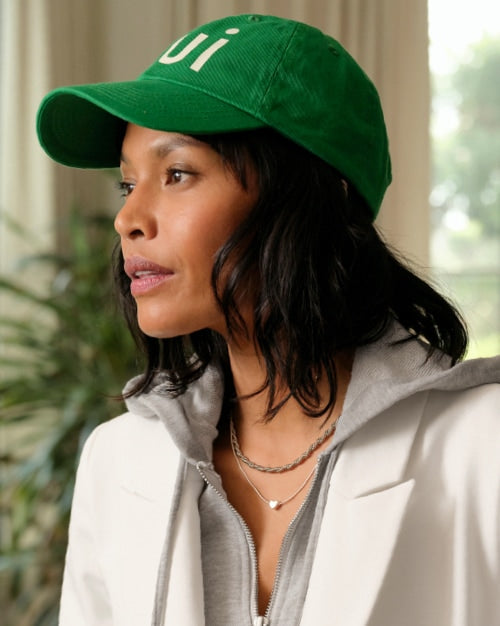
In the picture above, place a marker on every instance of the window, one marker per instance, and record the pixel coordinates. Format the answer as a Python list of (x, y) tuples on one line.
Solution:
[(465, 195)]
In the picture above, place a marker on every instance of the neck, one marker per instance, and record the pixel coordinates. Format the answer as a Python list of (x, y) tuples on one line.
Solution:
[(291, 427)]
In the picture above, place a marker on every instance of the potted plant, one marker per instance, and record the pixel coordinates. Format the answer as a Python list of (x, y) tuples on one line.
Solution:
[(64, 354)]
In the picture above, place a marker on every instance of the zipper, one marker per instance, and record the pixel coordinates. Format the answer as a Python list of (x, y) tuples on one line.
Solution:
[(284, 546), (263, 620), (257, 620)]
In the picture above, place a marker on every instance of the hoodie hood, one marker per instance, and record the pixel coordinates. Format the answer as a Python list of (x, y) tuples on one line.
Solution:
[(190, 418), (385, 372), (399, 366)]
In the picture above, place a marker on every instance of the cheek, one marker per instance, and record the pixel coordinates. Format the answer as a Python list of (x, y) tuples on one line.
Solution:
[(200, 240)]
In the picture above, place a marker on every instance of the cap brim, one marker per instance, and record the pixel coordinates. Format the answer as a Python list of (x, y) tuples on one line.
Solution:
[(83, 125)]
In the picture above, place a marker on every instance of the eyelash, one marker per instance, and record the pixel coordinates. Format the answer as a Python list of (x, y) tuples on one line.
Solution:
[(126, 188)]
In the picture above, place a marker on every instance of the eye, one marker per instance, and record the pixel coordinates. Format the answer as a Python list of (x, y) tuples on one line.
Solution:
[(176, 175), (125, 188)]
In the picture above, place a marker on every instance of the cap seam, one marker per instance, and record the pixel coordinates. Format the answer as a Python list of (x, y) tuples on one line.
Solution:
[(278, 64)]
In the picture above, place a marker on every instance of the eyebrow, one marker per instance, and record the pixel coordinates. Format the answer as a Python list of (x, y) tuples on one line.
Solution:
[(163, 149)]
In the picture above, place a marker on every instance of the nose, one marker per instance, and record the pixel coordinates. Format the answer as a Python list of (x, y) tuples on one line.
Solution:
[(135, 219)]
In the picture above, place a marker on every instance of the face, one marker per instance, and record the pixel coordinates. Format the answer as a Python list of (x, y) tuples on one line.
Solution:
[(181, 204)]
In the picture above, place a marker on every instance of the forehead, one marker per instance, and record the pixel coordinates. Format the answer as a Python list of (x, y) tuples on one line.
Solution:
[(156, 144)]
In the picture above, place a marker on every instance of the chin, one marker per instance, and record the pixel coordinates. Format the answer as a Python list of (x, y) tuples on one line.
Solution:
[(170, 326), (162, 332), (159, 330), (167, 329)]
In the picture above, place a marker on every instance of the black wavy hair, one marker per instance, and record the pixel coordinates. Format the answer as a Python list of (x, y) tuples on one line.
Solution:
[(321, 278)]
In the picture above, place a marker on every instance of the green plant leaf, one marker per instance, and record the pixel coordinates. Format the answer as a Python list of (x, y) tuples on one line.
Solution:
[(64, 351)]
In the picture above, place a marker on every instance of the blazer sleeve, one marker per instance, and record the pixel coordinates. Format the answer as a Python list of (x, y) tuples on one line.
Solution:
[(85, 600)]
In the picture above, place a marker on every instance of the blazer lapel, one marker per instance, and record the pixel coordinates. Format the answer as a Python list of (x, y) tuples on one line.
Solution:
[(159, 486), (184, 602), (362, 520)]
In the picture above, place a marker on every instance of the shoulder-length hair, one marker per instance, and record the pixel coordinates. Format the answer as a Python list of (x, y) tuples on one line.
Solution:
[(320, 276)]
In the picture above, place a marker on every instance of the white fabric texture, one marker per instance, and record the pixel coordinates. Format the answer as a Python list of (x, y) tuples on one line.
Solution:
[(411, 530), (420, 554)]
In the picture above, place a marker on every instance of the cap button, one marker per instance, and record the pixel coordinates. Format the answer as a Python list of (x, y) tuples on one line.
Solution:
[(254, 18), (333, 49)]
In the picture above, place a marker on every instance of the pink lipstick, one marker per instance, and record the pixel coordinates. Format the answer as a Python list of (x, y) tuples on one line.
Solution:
[(145, 275)]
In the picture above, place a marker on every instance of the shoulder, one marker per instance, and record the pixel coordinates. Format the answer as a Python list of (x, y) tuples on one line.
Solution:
[(125, 433), (469, 415), (125, 429), (459, 441), (126, 447), (456, 463)]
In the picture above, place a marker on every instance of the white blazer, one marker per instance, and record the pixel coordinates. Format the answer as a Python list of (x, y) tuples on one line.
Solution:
[(410, 534)]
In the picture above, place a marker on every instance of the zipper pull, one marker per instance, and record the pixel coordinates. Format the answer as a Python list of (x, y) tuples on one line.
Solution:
[(261, 621)]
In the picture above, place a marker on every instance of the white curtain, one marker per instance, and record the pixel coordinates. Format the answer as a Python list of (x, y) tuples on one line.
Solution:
[(26, 180), (52, 42), (43, 43)]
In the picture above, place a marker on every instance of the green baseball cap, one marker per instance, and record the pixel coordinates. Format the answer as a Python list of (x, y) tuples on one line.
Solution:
[(237, 73)]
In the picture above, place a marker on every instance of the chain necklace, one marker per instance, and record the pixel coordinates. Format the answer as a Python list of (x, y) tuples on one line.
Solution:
[(272, 504), (279, 468)]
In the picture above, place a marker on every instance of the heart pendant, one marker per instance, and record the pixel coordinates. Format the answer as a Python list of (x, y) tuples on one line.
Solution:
[(274, 504)]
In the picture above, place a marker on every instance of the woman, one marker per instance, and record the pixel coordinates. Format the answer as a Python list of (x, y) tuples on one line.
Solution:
[(302, 447)]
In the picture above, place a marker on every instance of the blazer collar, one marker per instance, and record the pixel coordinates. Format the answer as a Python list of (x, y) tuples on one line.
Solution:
[(368, 497)]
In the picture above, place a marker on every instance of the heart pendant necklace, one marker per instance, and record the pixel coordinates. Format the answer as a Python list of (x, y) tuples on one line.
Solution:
[(274, 505)]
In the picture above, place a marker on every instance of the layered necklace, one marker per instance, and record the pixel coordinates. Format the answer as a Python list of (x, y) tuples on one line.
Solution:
[(276, 504)]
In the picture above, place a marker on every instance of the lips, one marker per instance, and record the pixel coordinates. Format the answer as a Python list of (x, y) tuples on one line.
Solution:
[(145, 275)]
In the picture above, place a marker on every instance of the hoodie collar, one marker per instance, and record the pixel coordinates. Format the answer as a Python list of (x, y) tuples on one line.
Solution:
[(385, 372)]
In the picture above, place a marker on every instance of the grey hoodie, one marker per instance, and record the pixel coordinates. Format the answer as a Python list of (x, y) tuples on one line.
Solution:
[(384, 373)]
